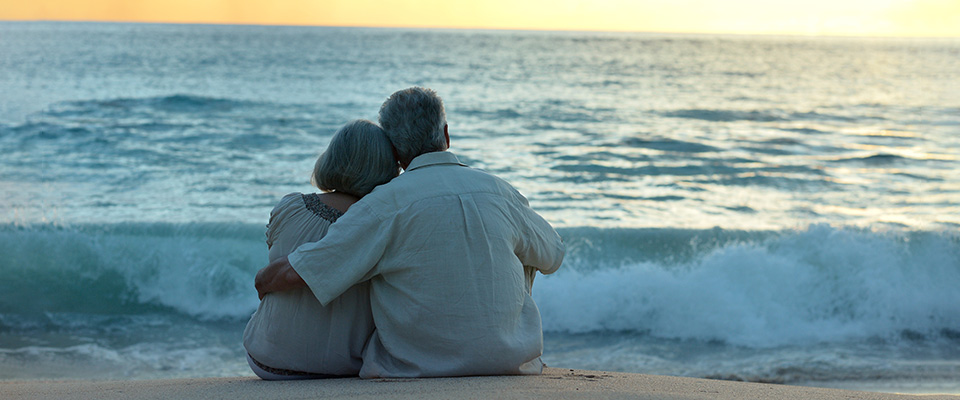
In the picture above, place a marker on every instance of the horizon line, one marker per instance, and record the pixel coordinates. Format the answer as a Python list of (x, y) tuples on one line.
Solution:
[(503, 29)]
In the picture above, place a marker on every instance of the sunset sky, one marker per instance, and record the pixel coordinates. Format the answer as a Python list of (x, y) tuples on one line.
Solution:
[(802, 17)]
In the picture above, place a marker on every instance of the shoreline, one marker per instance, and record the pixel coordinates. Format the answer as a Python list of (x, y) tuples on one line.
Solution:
[(559, 383)]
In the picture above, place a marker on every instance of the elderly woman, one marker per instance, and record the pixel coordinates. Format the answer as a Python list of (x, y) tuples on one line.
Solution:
[(291, 335)]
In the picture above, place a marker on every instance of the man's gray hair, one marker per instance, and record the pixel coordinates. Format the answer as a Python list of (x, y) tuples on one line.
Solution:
[(358, 159), (413, 119)]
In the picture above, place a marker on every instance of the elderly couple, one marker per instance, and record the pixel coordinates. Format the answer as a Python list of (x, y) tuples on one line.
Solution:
[(420, 274)]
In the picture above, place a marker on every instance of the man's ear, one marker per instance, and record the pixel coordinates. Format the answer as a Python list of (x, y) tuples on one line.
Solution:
[(446, 134), (396, 156)]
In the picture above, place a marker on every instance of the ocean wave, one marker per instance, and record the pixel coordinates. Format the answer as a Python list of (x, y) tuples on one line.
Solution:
[(746, 288), (203, 271), (154, 140), (880, 158), (807, 131), (650, 170), (178, 103), (725, 172), (772, 115), (822, 284), (672, 145), (178, 114), (772, 179), (499, 114), (728, 115)]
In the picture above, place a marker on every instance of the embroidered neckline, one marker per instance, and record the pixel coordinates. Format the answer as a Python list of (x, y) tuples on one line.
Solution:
[(319, 208)]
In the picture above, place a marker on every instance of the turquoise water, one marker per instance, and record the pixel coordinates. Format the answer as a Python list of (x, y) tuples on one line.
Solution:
[(777, 209)]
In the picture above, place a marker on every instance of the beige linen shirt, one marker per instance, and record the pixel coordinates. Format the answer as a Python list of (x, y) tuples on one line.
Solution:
[(444, 247)]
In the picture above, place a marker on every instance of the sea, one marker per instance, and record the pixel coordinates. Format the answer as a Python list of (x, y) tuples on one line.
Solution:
[(779, 209)]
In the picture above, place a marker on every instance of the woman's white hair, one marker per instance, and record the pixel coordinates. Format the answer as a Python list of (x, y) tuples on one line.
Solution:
[(358, 158), (413, 119)]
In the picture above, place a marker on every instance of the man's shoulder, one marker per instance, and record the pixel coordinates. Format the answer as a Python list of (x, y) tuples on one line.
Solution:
[(490, 178), (472, 179), (477, 182), (436, 181)]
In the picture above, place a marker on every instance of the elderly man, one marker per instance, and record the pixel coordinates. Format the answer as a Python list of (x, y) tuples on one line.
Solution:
[(450, 253)]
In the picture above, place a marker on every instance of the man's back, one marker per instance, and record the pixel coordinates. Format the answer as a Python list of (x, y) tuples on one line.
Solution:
[(444, 246)]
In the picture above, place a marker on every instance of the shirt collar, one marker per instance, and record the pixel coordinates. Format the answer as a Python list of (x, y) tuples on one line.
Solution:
[(433, 158)]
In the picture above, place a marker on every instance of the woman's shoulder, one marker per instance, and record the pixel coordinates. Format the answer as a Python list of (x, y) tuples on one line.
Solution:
[(297, 216), (328, 206), (291, 200), (318, 205)]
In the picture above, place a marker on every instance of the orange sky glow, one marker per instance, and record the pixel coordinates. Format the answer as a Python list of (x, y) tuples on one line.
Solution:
[(906, 18)]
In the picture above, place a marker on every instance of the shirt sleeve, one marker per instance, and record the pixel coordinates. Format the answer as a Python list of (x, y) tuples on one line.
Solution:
[(347, 255), (538, 244)]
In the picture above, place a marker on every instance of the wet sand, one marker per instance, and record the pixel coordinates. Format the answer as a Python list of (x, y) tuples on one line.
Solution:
[(555, 383)]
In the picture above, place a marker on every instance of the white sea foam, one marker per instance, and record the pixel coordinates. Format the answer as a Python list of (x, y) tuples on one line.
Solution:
[(140, 361), (819, 285)]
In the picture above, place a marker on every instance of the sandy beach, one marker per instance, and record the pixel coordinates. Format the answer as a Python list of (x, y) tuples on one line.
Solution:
[(556, 383)]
